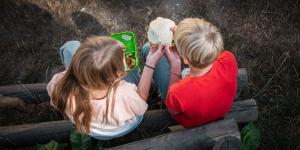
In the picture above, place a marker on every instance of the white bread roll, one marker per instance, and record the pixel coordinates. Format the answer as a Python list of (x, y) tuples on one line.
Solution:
[(159, 31)]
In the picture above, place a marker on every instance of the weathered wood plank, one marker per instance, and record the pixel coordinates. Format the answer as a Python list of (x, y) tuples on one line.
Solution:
[(23, 135), (203, 137), (11, 102), (243, 111), (23, 88), (242, 81), (229, 143), (30, 134), (32, 93)]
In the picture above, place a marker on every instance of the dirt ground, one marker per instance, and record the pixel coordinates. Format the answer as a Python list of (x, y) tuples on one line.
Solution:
[(263, 35)]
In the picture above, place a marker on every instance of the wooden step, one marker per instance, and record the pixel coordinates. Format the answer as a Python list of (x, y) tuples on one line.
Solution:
[(31, 134), (203, 137), (34, 93)]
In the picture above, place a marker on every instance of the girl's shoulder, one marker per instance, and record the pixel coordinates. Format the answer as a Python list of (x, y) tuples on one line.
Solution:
[(127, 85), (127, 90)]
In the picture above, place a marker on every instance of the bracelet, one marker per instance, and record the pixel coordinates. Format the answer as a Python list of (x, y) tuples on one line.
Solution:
[(149, 66), (178, 75)]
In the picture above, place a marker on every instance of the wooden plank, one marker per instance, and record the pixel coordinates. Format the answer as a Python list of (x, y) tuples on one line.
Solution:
[(242, 81), (176, 128), (23, 88), (31, 134), (243, 111), (203, 137), (242, 78), (32, 93), (229, 143), (11, 102)]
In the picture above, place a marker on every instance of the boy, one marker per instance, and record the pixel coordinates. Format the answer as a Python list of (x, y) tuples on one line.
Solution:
[(207, 93)]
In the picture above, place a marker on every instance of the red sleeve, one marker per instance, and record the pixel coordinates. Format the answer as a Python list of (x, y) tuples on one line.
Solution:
[(227, 57), (173, 103)]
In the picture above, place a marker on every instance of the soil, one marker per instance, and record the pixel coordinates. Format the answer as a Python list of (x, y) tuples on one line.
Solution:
[(263, 35)]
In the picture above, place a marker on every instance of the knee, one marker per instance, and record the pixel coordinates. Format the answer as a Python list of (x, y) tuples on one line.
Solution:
[(67, 51), (70, 46)]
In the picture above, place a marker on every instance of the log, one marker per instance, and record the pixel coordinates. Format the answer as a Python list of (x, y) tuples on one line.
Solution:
[(203, 137), (34, 93), (7, 102), (242, 81), (243, 111), (229, 143), (31, 134), (242, 78), (24, 135), (30, 93)]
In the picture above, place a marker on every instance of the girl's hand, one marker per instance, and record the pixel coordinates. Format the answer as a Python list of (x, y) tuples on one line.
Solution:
[(154, 55)]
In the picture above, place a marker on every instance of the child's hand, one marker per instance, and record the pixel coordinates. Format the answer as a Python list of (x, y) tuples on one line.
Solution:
[(173, 29), (173, 58), (154, 55)]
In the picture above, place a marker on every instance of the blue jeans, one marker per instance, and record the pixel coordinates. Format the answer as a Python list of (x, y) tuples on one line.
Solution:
[(68, 50)]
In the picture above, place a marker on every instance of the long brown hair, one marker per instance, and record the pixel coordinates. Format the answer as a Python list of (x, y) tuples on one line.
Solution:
[(97, 64)]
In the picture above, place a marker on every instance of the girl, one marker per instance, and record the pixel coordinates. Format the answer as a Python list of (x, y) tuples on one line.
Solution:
[(92, 92)]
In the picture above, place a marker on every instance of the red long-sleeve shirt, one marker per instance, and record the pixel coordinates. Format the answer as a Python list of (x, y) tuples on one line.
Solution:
[(200, 100)]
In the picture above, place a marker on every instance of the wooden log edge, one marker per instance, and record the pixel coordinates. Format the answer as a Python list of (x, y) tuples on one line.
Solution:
[(37, 92), (30, 134), (203, 137)]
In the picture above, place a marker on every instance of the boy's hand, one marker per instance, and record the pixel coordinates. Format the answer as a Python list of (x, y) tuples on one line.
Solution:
[(154, 55), (173, 29), (173, 58)]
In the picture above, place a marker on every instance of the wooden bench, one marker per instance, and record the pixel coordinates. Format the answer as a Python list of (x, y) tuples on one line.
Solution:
[(35, 93), (31, 134), (203, 137)]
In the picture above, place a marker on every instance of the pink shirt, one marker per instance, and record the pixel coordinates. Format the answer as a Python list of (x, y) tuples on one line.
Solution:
[(128, 106)]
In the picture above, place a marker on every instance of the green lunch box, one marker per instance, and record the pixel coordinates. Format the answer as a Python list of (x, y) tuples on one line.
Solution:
[(131, 55)]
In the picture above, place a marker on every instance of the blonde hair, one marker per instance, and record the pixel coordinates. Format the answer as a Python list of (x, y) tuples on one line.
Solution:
[(198, 41), (97, 64)]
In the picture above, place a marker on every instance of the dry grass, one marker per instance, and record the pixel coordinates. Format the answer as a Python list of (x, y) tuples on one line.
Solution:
[(264, 36)]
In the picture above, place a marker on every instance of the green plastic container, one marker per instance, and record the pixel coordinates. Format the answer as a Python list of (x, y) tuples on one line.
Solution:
[(131, 55)]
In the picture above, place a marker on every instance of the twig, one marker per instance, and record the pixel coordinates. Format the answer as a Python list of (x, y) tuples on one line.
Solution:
[(276, 73), (296, 71), (47, 70)]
